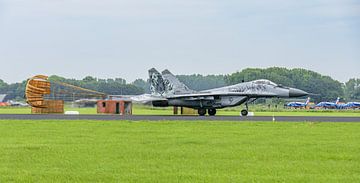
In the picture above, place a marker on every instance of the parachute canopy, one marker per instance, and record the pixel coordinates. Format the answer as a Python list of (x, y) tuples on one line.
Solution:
[(36, 88)]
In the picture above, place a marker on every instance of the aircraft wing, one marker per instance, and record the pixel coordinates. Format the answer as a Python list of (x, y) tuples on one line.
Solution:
[(210, 94), (146, 98)]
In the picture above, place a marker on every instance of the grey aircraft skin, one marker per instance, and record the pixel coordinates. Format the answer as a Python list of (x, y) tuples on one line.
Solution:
[(167, 90)]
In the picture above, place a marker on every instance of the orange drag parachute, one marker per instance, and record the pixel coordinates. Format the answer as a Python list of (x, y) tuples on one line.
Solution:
[(39, 88), (36, 88)]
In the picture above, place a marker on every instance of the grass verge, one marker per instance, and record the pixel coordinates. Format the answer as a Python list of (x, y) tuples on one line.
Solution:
[(97, 151)]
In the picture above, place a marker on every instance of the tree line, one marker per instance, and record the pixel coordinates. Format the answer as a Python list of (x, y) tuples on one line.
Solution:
[(327, 88)]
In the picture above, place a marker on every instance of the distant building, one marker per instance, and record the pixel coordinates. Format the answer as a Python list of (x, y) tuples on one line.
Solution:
[(122, 107)]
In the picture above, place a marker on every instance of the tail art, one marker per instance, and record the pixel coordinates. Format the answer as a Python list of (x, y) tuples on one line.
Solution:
[(337, 100), (307, 102), (157, 86), (173, 85)]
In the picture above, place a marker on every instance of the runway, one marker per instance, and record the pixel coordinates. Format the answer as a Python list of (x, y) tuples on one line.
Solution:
[(177, 118)]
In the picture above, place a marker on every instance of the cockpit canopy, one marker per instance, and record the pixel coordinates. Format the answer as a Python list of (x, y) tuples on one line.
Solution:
[(265, 82)]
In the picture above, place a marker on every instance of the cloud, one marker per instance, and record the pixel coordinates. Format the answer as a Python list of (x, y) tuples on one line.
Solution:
[(144, 9), (187, 36), (335, 9)]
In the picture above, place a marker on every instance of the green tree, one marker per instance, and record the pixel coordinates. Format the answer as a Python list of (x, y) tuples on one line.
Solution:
[(352, 89), (140, 83), (3, 87), (325, 86), (199, 82)]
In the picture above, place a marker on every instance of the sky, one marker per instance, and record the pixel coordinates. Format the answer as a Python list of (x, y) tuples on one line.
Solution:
[(125, 38)]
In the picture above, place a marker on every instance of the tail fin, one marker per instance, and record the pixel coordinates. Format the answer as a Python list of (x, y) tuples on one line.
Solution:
[(307, 101), (337, 100), (157, 86), (173, 85)]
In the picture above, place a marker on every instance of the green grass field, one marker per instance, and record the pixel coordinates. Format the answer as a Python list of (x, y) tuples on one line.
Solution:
[(96, 151), (146, 110)]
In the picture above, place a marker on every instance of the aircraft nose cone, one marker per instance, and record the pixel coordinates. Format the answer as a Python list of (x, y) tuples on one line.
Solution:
[(293, 92)]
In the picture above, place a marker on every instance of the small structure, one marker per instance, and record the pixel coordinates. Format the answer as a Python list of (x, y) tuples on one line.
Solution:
[(122, 107)]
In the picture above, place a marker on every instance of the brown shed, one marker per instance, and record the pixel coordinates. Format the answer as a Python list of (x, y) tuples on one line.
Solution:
[(122, 107)]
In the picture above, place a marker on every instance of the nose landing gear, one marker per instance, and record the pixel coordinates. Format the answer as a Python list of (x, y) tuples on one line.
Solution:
[(245, 112)]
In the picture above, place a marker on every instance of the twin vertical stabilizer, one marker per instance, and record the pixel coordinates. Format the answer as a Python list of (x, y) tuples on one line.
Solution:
[(166, 84)]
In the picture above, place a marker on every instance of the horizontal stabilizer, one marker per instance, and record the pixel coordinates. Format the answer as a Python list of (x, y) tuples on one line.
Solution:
[(146, 98)]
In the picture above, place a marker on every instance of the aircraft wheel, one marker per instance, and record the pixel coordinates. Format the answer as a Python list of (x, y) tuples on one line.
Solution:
[(202, 112), (244, 112), (212, 112)]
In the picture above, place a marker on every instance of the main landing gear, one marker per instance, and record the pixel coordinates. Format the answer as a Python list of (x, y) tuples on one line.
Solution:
[(245, 112), (202, 112), (211, 112)]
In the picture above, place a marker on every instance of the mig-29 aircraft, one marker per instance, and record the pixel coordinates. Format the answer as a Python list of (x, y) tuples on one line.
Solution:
[(167, 90)]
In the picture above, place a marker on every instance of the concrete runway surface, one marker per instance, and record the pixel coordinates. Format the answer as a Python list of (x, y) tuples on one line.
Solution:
[(177, 118)]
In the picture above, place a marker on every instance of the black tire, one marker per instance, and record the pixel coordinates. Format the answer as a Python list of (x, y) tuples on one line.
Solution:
[(202, 112), (212, 112), (244, 112)]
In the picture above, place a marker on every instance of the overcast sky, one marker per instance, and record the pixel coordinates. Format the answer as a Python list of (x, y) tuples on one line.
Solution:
[(124, 38)]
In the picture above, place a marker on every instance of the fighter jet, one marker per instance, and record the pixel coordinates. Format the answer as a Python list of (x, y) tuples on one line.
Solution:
[(298, 104), (349, 105), (17, 104), (167, 90), (354, 105), (328, 105)]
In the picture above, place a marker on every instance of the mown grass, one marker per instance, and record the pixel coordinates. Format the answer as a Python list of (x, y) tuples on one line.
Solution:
[(259, 111), (97, 151)]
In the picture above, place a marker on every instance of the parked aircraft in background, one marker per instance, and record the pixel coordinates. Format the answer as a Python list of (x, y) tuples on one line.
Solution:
[(298, 104), (350, 105), (2, 100), (85, 102), (17, 104), (167, 90), (354, 105), (2, 97), (328, 105), (10, 102)]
